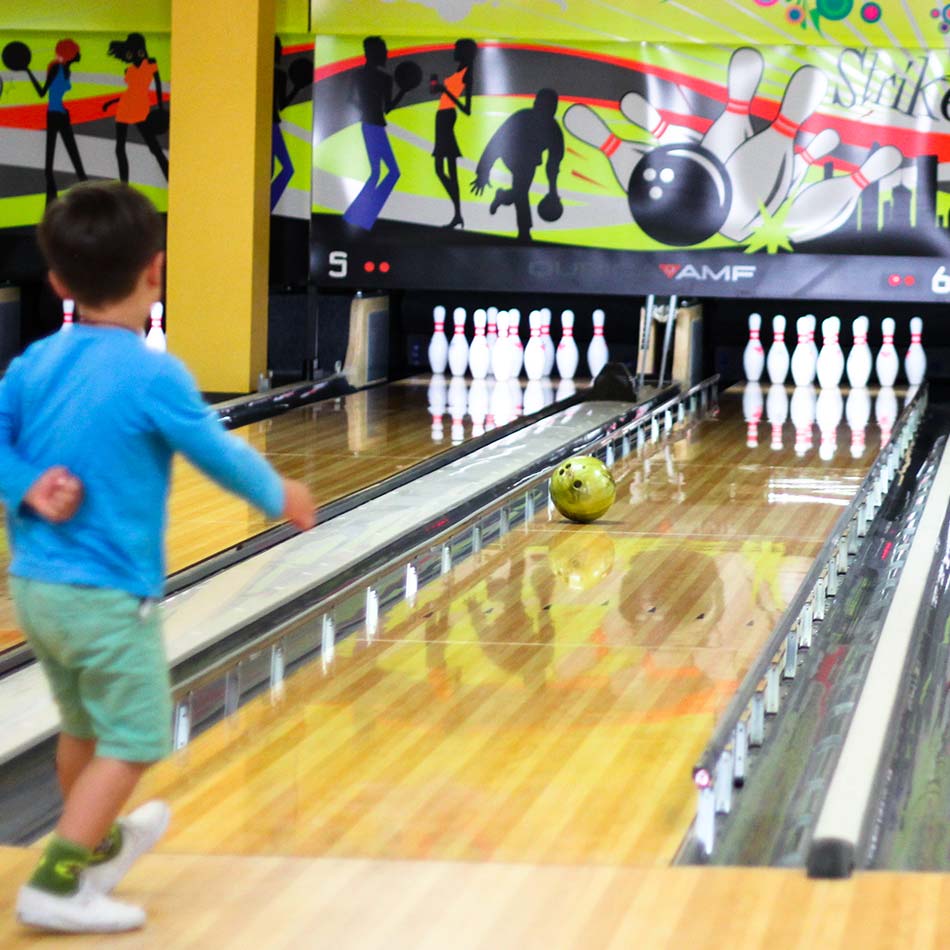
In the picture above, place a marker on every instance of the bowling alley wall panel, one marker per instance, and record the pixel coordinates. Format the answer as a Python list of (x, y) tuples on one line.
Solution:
[(811, 171)]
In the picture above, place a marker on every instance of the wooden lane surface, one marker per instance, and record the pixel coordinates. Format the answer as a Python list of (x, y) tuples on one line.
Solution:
[(545, 702), (279, 902), (337, 447)]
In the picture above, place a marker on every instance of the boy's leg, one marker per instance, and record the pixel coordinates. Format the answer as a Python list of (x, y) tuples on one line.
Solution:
[(72, 756), (96, 798)]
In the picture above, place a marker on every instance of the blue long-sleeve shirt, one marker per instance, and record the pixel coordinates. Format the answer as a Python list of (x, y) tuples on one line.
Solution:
[(96, 400)]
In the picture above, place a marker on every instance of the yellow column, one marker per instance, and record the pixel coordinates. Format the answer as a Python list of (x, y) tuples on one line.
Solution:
[(222, 61)]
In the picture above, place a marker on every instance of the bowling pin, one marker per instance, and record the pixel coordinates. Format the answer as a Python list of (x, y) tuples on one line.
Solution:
[(492, 332), (547, 341), (155, 338), (501, 353), (887, 362), (803, 415), (567, 349), (822, 145), (439, 344), (828, 411), (458, 348), (515, 348), (826, 205), (534, 351), (777, 360), (585, 124), (830, 358), (643, 115), (734, 126), (69, 313), (803, 361), (761, 168), (597, 352), (753, 356), (458, 406), (752, 412), (885, 412), (858, 366), (436, 394), (776, 409), (915, 362), (478, 405), (479, 356), (857, 411)]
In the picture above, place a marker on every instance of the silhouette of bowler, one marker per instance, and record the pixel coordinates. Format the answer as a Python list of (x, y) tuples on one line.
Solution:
[(520, 142)]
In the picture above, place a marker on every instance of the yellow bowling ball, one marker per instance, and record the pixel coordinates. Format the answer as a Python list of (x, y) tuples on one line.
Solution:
[(582, 488)]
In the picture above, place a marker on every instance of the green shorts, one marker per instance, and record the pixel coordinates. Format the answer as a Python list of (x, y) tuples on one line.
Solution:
[(103, 655)]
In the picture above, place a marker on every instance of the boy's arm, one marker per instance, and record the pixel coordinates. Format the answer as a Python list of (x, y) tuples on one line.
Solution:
[(16, 474), (190, 427)]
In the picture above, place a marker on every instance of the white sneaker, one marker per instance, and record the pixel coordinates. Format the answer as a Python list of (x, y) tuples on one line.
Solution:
[(86, 911), (140, 831)]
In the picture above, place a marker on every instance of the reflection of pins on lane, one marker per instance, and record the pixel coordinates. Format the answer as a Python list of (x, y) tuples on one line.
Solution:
[(517, 397), (822, 145), (828, 414), (776, 408), (533, 395), (752, 412), (827, 204), (458, 406), (857, 411), (478, 405), (915, 362), (479, 355), (887, 362), (436, 394), (753, 356), (500, 409), (859, 359), (69, 313), (777, 360), (830, 359), (585, 124), (155, 338), (733, 127), (645, 116), (458, 348), (803, 415), (761, 168), (885, 412), (565, 389)]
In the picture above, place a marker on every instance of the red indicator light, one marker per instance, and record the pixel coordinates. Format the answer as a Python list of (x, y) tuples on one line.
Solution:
[(894, 280), (369, 267), (910, 280), (384, 267)]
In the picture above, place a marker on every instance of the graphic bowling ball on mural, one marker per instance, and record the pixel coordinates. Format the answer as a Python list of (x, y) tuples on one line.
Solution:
[(582, 488), (16, 55)]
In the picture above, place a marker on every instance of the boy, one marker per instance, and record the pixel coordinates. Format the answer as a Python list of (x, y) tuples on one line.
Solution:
[(89, 422)]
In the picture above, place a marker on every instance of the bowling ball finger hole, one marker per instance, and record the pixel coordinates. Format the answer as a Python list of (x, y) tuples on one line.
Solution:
[(577, 483)]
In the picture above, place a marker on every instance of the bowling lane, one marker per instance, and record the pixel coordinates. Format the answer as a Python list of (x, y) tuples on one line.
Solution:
[(546, 700), (337, 447)]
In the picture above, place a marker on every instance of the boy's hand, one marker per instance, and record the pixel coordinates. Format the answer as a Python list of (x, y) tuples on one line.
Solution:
[(56, 495), (298, 504)]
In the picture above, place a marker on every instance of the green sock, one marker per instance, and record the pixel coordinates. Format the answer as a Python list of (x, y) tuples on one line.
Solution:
[(59, 868), (110, 845)]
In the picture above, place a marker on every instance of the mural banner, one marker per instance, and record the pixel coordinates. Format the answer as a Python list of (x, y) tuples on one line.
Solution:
[(726, 170)]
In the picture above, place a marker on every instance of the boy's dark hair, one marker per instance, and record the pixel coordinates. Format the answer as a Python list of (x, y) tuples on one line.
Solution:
[(98, 238)]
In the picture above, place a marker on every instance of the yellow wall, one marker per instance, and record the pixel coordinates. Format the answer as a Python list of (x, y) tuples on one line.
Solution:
[(219, 189), (140, 16)]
